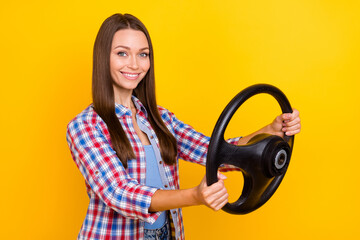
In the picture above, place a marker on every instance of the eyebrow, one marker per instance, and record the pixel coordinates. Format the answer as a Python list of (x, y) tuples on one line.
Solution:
[(121, 46)]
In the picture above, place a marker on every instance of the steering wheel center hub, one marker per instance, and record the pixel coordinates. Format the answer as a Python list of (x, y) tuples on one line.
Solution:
[(280, 159)]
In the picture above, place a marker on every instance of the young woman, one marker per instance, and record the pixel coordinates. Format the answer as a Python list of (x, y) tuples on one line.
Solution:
[(127, 147)]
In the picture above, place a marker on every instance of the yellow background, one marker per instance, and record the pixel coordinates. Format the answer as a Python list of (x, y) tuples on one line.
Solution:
[(205, 53)]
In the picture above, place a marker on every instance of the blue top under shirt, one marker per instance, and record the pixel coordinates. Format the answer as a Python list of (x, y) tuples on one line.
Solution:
[(153, 179)]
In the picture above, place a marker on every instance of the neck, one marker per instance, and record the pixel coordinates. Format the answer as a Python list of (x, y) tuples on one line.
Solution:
[(124, 98)]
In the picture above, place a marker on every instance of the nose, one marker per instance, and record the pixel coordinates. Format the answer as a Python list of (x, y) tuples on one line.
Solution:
[(133, 62)]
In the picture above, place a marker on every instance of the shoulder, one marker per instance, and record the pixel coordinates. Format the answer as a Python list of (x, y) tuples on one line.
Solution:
[(163, 110), (169, 118), (88, 117), (165, 114)]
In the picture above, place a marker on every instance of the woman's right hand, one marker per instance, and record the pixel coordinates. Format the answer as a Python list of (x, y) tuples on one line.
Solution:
[(214, 196)]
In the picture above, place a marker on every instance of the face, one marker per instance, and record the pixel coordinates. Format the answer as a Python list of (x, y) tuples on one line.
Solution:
[(129, 60)]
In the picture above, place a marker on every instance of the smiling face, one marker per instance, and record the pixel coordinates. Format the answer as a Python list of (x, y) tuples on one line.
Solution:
[(129, 61)]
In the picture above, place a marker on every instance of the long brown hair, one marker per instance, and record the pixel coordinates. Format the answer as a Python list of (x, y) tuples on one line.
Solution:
[(103, 93)]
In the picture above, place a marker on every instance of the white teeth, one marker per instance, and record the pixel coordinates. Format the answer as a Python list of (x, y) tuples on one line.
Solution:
[(130, 75)]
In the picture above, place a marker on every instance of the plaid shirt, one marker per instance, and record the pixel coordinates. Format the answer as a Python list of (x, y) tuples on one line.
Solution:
[(119, 198)]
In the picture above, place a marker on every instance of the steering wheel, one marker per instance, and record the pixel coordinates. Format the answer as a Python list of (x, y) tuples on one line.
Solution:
[(263, 161)]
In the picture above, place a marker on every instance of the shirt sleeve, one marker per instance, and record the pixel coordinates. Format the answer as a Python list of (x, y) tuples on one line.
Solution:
[(105, 174), (192, 145)]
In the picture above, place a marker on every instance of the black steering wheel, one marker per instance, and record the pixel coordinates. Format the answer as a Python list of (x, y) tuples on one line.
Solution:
[(263, 160)]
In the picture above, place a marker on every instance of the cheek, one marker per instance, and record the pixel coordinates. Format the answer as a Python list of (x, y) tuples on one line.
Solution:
[(146, 65), (116, 63), (112, 65), (114, 69)]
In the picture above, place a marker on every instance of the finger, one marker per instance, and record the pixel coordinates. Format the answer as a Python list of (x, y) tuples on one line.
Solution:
[(290, 116), (218, 187), (295, 112), (291, 123), (209, 191), (221, 203), (293, 132), (221, 176), (294, 115), (292, 128), (214, 191), (218, 200), (285, 117)]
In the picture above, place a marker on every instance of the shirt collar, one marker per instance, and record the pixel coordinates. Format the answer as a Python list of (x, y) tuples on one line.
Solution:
[(121, 110)]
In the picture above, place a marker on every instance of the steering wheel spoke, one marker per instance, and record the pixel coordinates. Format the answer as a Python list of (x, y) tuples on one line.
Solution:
[(238, 156)]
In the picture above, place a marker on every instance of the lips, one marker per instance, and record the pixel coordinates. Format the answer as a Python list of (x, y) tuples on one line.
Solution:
[(130, 76)]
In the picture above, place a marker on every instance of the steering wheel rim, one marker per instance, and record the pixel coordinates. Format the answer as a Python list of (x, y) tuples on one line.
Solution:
[(256, 160)]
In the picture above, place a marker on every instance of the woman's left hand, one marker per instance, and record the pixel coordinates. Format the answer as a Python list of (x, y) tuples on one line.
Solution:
[(286, 123)]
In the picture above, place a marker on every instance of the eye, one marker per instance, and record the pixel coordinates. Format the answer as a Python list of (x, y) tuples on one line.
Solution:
[(122, 54), (144, 55)]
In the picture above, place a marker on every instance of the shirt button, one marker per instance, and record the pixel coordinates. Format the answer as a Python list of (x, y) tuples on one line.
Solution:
[(151, 137), (160, 162), (166, 186), (174, 212)]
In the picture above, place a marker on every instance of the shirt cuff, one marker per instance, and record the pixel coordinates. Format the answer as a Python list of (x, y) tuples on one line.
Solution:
[(233, 140), (150, 217)]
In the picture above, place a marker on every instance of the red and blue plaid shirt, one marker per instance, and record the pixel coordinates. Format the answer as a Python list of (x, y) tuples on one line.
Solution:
[(119, 198)]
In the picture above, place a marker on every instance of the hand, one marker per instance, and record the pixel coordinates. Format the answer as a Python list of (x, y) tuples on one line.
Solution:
[(214, 196), (288, 123)]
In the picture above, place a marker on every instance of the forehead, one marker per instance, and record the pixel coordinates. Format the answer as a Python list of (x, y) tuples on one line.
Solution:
[(130, 38)]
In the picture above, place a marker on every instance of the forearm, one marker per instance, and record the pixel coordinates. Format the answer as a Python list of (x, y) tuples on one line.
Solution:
[(170, 199), (214, 196), (286, 123), (266, 129)]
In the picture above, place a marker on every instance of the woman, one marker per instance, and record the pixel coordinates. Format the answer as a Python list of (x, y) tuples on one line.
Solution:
[(127, 148)]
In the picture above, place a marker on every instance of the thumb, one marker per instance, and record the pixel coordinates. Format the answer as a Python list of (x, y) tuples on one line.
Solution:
[(279, 119), (221, 176)]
